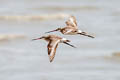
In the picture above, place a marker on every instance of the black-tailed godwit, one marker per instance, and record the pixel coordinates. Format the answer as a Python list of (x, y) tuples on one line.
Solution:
[(53, 41), (71, 28)]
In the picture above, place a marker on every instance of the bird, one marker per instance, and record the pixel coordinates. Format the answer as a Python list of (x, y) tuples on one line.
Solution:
[(71, 28), (53, 42)]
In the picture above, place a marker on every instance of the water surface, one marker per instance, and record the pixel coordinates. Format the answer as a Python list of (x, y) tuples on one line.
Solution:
[(93, 59)]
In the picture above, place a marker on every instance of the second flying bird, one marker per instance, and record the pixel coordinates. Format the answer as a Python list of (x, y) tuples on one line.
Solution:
[(71, 28)]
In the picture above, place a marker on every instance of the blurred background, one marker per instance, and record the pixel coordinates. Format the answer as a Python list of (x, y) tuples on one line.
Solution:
[(93, 59)]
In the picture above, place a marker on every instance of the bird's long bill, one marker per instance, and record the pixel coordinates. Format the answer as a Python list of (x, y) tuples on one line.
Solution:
[(51, 31), (70, 45), (37, 39), (85, 34)]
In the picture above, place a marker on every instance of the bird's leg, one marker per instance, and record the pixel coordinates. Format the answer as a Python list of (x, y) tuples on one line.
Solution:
[(85, 34), (69, 44)]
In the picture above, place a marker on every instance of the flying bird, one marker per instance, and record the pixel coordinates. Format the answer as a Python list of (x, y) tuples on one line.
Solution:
[(53, 42), (71, 28)]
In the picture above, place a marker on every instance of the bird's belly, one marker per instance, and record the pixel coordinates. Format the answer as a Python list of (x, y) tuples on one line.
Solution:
[(70, 33)]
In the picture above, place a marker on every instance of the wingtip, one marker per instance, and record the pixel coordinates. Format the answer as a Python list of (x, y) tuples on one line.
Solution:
[(75, 47), (91, 36), (50, 59)]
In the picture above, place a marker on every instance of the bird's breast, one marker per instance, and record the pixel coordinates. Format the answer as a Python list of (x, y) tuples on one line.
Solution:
[(68, 32)]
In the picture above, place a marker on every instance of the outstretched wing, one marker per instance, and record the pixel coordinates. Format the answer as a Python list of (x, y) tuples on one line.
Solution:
[(52, 46), (71, 22)]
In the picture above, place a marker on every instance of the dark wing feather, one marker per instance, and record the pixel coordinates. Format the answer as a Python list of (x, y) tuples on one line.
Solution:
[(71, 22), (52, 46)]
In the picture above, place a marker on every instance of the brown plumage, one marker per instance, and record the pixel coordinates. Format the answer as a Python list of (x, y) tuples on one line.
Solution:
[(71, 28), (53, 42)]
